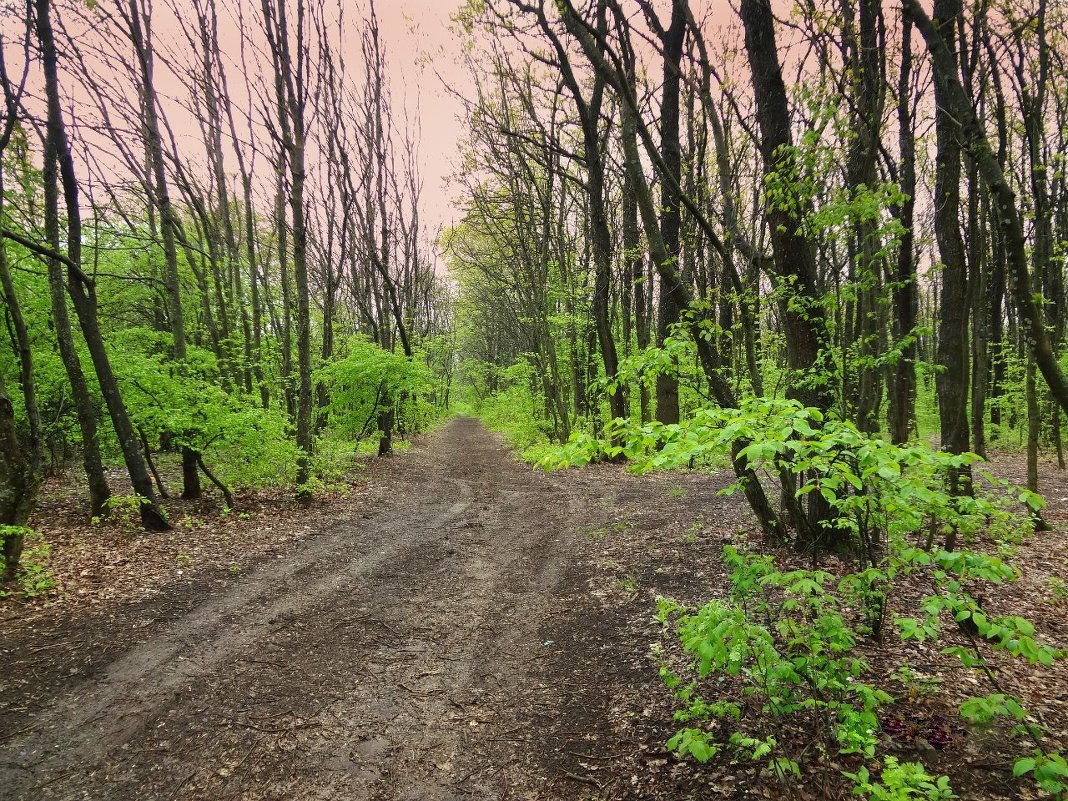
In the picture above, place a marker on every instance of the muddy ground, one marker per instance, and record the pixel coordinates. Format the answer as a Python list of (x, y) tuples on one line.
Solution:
[(469, 629)]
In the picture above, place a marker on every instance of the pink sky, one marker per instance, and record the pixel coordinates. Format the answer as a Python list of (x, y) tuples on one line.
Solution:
[(417, 31), (420, 50), (418, 45)]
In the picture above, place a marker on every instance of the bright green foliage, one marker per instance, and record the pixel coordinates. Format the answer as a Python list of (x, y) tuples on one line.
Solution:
[(984, 711), (124, 509), (788, 638), (1050, 772), (251, 446), (878, 491), (901, 781), (510, 407), (33, 577), (784, 636), (369, 379)]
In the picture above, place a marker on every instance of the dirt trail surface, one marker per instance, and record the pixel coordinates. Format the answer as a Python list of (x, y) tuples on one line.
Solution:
[(398, 657), (469, 629)]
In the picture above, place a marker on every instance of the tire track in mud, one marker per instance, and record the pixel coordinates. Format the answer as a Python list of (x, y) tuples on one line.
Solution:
[(390, 658)]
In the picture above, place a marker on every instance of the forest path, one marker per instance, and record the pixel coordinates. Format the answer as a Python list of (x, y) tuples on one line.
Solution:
[(396, 657)]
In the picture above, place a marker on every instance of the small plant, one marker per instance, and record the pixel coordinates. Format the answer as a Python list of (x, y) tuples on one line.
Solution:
[(600, 532), (183, 559), (1058, 590), (124, 509), (33, 577), (901, 781), (626, 584), (677, 492), (690, 537), (189, 522), (1050, 772), (597, 534), (783, 636), (235, 569)]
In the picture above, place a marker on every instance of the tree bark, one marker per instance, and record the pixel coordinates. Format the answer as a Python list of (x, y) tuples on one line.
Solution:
[(82, 290), (1029, 313)]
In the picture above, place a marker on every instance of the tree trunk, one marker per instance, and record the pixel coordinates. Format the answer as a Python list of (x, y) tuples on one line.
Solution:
[(905, 292), (668, 309), (1030, 313), (951, 383), (82, 289)]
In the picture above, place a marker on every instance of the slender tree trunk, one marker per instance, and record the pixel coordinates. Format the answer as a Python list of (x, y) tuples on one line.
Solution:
[(20, 462), (99, 492), (801, 309), (868, 90), (952, 380), (905, 292), (636, 276), (1029, 313), (668, 309), (82, 289)]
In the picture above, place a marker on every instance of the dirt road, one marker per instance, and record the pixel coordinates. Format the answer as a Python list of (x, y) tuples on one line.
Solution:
[(394, 657), (481, 631)]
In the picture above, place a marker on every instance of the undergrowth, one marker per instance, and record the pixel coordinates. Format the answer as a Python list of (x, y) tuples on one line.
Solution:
[(772, 673)]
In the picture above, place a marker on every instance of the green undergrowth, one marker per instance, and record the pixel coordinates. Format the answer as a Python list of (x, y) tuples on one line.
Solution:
[(512, 411), (773, 673), (33, 577)]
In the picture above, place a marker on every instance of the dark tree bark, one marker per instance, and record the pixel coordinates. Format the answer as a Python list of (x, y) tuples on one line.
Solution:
[(974, 139), (589, 114), (905, 293), (668, 310), (138, 21), (636, 276), (795, 264), (20, 461), (801, 307), (868, 87), (18, 489), (952, 380), (82, 289)]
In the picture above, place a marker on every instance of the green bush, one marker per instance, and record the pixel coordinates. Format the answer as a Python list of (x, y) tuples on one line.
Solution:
[(785, 638), (33, 577), (368, 379)]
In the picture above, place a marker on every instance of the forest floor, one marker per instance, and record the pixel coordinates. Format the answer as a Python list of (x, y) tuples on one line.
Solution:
[(456, 626)]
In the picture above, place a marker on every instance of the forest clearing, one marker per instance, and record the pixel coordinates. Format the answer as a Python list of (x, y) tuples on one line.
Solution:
[(533, 399)]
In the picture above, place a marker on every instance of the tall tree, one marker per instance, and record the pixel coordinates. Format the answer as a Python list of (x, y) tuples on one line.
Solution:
[(290, 57), (82, 288)]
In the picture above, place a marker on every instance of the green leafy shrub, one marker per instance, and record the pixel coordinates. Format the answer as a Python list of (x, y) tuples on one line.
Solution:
[(368, 379), (1050, 772), (513, 410), (879, 493), (901, 781), (248, 446), (33, 577), (784, 638)]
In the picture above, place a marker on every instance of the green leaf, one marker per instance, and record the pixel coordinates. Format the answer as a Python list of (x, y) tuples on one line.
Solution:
[(1022, 766)]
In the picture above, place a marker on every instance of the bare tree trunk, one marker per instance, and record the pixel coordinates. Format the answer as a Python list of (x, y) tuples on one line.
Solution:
[(82, 289), (952, 380), (905, 292), (668, 310), (1030, 314)]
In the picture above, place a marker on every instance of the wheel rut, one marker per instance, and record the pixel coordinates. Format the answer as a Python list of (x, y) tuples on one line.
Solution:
[(387, 658)]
